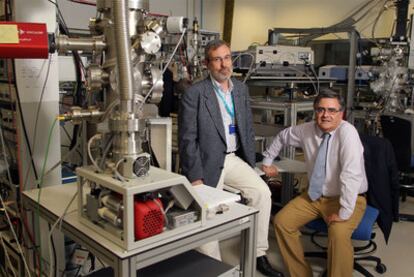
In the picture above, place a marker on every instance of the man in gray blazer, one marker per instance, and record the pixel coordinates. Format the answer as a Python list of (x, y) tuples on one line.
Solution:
[(216, 142)]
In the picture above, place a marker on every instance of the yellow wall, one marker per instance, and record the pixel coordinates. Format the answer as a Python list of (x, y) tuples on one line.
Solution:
[(252, 18), (212, 10)]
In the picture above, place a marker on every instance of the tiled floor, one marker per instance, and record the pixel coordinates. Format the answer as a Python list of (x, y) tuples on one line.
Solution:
[(398, 255)]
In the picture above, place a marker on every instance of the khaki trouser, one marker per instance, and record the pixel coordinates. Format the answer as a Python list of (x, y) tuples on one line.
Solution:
[(300, 211), (240, 175)]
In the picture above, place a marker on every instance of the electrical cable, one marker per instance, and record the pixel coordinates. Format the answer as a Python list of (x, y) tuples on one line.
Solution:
[(96, 136), (101, 262), (26, 139), (37, 117), (60, 219), (83, 2), (365, 13), (250, 71), (77, 272), (251, 67), (347, 22), (376, 22), (52, 246), (312, 68), (106, 150), (360, 8), (3, 271), (66, 132), (11, 183), (307, 75), (110, 108), (78, 61), (26, 178), (5, 157), (243, 54), (6, 253), (15, 236), (67, 155), (164, 212), (40, 185), (71, 139), (23, 123), (117, 174), (8, 13), (75, 137)]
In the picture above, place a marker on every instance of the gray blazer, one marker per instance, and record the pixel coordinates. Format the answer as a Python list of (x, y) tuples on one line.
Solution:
[(202, 141)]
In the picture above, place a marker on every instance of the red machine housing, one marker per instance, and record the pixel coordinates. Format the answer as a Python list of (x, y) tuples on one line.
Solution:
[(149, 218), (33, 41)]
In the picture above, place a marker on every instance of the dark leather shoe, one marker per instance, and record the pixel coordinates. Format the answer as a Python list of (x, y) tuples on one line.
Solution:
[(264, 267)]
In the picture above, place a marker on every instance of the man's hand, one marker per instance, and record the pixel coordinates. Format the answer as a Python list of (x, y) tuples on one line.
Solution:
[(197, 182), (333, 218), (270, 171)]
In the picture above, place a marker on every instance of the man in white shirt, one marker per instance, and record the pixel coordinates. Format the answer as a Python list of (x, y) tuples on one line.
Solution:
[(335, 166)]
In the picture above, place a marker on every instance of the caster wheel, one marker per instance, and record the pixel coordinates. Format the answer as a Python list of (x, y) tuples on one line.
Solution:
[(381, 268)]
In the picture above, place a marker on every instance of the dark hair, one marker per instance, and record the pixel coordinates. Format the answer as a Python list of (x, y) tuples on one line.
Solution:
[(329, 93), (213, 45)]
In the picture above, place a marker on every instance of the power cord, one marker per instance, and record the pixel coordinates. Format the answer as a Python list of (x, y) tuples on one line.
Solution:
[(15, 236), (58, 221), (6, 253)]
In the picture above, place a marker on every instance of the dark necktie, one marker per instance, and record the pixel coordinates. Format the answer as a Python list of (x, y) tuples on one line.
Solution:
[(319, 170)]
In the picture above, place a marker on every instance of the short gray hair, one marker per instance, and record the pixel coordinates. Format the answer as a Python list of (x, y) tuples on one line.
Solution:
[(329, 93), (213, 45)]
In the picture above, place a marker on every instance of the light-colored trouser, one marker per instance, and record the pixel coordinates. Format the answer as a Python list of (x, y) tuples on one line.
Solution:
[(238, 174), (300, 211)]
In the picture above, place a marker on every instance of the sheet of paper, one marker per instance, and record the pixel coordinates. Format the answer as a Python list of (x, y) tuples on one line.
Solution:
[(213, 197)]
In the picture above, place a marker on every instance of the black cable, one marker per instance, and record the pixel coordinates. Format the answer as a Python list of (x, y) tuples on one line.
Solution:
[(26, 137), (51, 2), (106, 150), (77, 272), (66, 132), (78, 68), (8, 149), (65, 30), (40, 101), (8, 12), (101, 262), (80, 2), (60, 16), (78, 62), (2, 270), (74, 137), (72, 140), (37, 115), (93, 260), (64, 104)]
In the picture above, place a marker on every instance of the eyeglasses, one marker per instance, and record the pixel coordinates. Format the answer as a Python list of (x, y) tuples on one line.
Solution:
[(226, 59), (326, 110)]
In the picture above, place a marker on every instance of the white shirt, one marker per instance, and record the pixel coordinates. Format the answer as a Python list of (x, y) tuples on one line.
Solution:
[(231, 139), (345, 170)]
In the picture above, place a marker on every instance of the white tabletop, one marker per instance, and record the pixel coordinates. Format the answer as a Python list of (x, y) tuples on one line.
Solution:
[(56, 198)]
